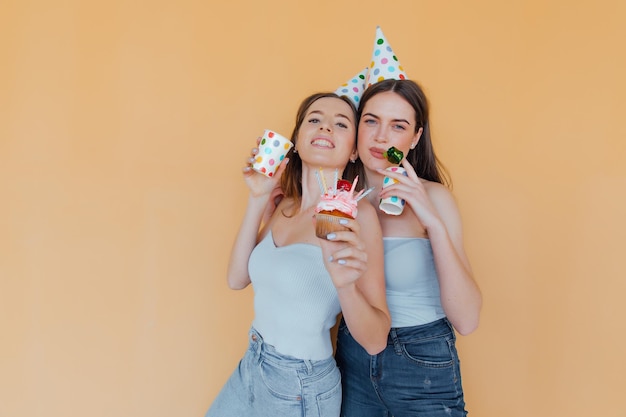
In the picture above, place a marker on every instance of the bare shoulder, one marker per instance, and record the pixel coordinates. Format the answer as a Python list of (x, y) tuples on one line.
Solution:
[(439, 193), (365, 207), (444, 202), (368, 216)]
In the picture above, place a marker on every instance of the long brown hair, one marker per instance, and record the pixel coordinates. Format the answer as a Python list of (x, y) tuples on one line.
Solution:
[(422, 158)]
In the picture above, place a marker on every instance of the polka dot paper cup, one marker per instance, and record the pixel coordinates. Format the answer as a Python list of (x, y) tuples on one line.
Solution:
[(392, 205), (272, 151)]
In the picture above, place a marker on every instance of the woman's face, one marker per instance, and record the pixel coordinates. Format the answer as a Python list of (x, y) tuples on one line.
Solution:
[(327, 135), (387, 120)]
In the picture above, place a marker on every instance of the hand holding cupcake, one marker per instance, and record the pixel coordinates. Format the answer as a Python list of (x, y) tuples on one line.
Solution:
[(336, 203)]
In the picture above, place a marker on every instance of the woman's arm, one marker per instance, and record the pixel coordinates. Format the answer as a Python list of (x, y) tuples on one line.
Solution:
[(237, 274), (460, 296), (357, 270), (262, 193)]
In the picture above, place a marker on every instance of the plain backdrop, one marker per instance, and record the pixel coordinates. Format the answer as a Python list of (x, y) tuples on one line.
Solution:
[(124, 126)]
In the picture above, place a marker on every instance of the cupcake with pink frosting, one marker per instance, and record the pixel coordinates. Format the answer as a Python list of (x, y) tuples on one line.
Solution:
[(336, 203)]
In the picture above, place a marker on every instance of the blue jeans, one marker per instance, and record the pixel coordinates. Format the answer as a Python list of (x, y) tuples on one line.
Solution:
[(268, 384), (418, 374)]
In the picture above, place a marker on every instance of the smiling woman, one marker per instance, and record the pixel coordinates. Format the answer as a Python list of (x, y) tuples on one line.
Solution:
[(302, 282)]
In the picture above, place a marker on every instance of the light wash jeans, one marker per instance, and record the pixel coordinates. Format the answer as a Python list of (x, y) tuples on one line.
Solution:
[(418, 374), (268, 384)]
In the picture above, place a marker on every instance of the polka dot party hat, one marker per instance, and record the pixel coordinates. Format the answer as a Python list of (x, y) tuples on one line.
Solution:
[(384, 64), (353, 88)]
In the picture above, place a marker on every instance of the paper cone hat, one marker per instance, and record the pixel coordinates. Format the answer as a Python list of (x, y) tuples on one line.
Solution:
[(385, 64), (353, 88)]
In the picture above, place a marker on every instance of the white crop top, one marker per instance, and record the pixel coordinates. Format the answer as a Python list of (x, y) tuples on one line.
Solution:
[(295, 301)]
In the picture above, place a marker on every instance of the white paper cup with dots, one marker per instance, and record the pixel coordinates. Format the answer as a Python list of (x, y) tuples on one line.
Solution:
[(392, 205), (272, 151)]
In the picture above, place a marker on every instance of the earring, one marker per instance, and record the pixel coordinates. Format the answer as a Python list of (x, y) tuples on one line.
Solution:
[(295, 150), (353, 160)]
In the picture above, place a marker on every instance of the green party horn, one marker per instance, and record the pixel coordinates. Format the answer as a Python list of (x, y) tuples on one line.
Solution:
[(393, 155)]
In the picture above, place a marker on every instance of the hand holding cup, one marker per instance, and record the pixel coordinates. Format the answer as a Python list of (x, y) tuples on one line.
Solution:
[(273, 148), (392, 205)]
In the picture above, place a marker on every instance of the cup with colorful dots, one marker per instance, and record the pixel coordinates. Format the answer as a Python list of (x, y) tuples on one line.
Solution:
[(272, 150), (392, 205)]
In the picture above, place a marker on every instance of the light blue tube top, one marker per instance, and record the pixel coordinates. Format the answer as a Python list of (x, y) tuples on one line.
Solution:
[(295, 301), (412, 285)]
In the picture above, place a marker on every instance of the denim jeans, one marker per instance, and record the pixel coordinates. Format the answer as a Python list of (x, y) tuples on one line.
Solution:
[(268, 384), (418, 374)]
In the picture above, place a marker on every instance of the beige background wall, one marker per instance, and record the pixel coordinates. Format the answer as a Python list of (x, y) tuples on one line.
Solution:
[(123, 129)]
